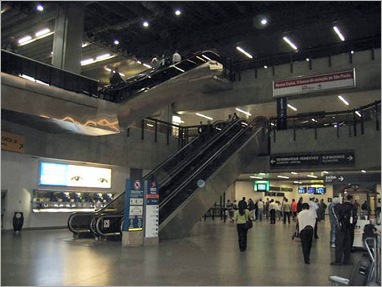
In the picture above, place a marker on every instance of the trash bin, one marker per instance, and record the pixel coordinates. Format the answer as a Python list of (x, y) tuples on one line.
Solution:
[(18, 221)]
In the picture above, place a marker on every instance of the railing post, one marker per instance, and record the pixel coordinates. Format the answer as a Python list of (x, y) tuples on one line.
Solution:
[(362, 122), (377, 116), (354, 124), (143, 129), (168, 134), (156, 131)]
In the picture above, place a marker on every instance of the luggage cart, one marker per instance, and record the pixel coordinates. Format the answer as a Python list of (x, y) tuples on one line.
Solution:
[(366, 271)]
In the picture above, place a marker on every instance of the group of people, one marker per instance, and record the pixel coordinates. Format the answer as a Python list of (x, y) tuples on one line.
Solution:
[(165, 60), (343, 219)]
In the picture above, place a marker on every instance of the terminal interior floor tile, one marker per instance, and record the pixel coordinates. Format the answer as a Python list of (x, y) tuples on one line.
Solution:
[(211, 257)]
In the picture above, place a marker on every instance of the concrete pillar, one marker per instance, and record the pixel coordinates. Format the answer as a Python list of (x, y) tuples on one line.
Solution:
[(67, 43)]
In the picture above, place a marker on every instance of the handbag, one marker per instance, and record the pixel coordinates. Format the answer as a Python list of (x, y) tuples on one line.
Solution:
[(248, 224)]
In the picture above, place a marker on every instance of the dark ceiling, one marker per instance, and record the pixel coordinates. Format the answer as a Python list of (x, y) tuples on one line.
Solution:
[(219, 25)]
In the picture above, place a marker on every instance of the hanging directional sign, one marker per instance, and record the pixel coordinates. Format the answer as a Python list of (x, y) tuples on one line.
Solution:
[(324, 159), (353, 178)]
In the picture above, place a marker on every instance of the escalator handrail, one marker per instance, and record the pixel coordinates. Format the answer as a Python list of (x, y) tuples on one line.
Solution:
[(98, 221), (200, 151), (70, 219), (218, 152)]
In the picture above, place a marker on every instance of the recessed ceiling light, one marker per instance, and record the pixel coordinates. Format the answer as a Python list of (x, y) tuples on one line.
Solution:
[(265, 67), (307, 59), (282, 176), (116, 42), (364, 171), (352, 52), (257, 177), (145, 24), (204, 116), (39, 7), (264, 21), (178, 12), (312, 176)]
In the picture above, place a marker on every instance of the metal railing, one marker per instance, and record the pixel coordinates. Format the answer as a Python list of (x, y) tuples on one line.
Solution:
[(354, 120)]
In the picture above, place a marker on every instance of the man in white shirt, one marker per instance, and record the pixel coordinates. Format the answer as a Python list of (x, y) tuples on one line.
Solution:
[(313, 207), (306, 220), (176, 58)]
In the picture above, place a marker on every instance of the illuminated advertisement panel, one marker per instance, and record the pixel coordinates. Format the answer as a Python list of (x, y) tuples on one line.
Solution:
[(74, 175)]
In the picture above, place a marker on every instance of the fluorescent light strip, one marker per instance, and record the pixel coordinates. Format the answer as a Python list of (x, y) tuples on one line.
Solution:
[(257, 177), (24, 39), (282, 176), (363, 171), (42, 32), (335, 28), (292, 107), (244, 52), (343, 100), (200, 58), (87, 62), (203, 116), (286, 39), (312, 176), (179, 69), (102, 57), (262, 173), (150, 125), (205, 57), (299, 182), (98, 59), (147, 65), (358, 113), (292, 172), (244, 112)]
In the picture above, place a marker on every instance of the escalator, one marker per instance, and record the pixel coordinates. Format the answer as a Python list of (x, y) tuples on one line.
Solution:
[(134, 85), (165, 174), (217, 170)]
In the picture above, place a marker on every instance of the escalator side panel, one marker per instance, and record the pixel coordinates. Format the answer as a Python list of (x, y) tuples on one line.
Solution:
[(181, 222)]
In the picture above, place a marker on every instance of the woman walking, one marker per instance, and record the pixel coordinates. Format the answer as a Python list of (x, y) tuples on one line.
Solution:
[(241, 217)]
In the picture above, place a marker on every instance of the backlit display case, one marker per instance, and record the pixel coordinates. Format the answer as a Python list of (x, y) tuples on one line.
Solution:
[(45, 200)]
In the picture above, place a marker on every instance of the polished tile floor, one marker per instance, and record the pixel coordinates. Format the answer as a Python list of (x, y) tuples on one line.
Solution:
[(209, 258)]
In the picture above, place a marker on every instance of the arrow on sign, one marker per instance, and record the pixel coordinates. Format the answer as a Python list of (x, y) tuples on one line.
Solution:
[(349, 157), (272, 161), (341, 178)]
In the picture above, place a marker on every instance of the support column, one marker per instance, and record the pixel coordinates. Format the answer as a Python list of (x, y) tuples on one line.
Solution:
[(67, 43)]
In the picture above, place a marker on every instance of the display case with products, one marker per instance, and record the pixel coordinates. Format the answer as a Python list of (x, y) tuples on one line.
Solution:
[(45, 200)]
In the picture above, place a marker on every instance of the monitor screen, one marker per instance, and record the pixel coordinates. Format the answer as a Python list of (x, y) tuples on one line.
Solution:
[(261, 186), (301, 189), (320, 190), (311, 190)]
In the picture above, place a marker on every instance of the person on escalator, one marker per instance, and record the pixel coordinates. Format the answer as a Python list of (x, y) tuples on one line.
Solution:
[(235, 117), (115, 78), (176, 57)]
